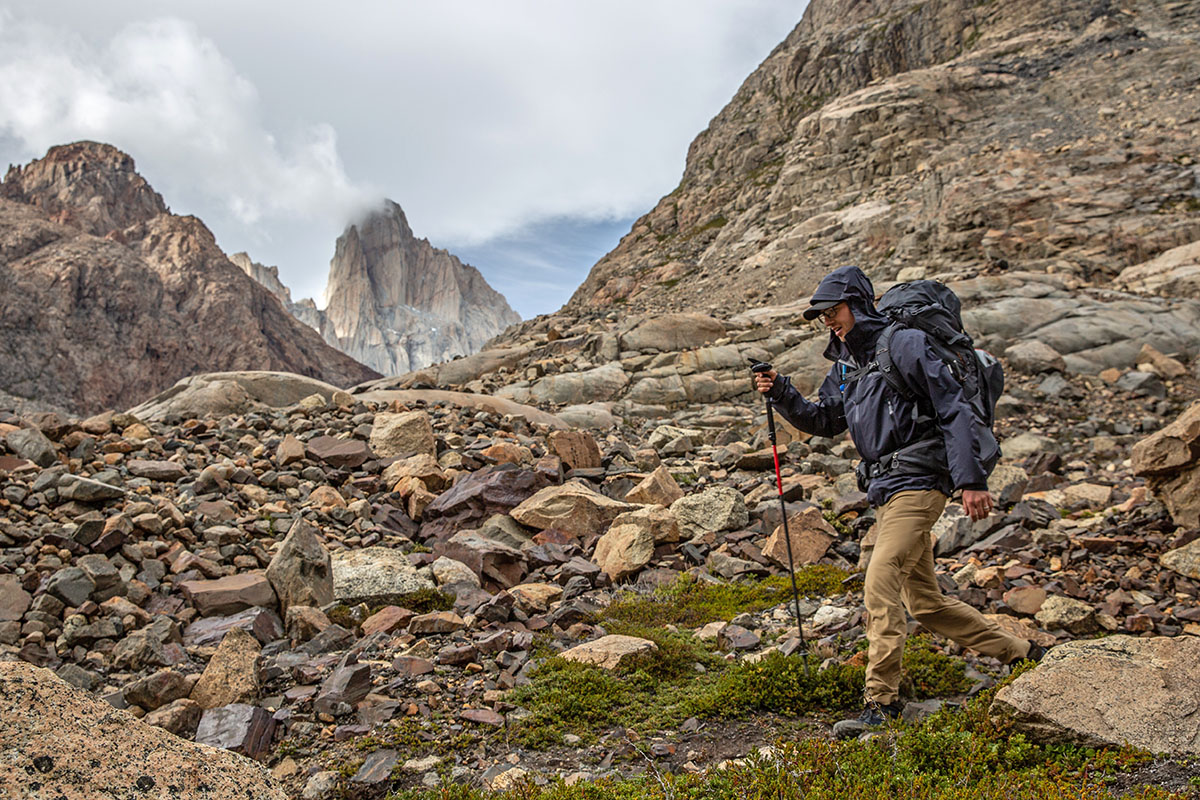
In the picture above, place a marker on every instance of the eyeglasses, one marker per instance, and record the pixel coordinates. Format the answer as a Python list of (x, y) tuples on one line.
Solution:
[(829, 314)]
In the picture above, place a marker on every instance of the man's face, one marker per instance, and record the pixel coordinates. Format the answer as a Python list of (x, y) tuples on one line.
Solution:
[(839, 319)]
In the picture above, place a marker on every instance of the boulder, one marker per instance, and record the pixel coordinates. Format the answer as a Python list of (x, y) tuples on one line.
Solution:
[(496, 565), (1110, 692), (811, 537), (301, 571), (230, 594), (375, 576), (157, 689), (609, 652), (232, 673), (479, 496), (1172, 273), (535, 598), (220, 393), (1028, 444), (341, 453), (1170, 462), (1184, 560), (239, 727), (577, 449), (403, 435), (165, 471), (626, 547), (573, 508), (1067, 613), (1033, 357), (658, 488), (32, 444), (14, 600), (55, 735), (573, 388), (667, 332), (423, 466), (721, 508)]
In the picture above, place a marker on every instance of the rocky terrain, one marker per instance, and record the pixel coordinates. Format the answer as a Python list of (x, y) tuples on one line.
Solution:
[(349, 588), (953, 136), (108, 298)]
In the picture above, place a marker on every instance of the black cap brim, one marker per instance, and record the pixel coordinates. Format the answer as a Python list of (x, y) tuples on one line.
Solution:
[(812, 311)]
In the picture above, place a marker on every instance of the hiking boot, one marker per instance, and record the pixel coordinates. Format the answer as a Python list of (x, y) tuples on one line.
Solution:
[(1036, 653), (873, 715)]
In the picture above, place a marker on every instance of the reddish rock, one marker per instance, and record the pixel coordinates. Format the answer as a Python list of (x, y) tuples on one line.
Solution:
[(344, 453), (229, 595), (238, 727), (577, 449)]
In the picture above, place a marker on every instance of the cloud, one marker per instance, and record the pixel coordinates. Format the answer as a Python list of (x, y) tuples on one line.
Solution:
[(166, 95), (277, 123)]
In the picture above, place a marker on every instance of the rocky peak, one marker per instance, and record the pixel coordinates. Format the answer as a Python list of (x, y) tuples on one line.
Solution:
[(398, 303), (88, 185), (953, 136), (116, 298), (267, 276)]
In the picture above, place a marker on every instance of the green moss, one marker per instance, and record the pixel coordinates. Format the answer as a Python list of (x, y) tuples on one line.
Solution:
[(691, 603), (954, 755), (670, 283), (340, 615), (424, 601), (927, 672), (836, 523)]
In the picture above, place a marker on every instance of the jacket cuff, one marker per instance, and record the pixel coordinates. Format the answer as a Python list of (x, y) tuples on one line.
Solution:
[(778, 387)]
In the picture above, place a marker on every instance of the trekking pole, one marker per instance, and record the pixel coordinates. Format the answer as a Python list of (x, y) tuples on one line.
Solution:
[(758, 367)]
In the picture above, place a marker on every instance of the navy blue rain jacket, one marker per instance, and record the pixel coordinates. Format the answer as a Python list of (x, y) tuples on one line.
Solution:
[(879, 418)]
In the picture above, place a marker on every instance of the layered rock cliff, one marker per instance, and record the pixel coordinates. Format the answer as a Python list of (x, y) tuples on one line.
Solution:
[(107, 298), (950, 136), (397, 303)]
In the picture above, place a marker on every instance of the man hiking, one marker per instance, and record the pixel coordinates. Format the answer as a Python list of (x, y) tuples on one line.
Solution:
[(909, 492)]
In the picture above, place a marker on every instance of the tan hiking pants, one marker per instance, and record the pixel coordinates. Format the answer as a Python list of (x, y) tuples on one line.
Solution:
[(901, 570)]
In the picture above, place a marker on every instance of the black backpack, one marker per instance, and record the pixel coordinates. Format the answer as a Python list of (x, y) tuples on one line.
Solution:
[(935, 309)]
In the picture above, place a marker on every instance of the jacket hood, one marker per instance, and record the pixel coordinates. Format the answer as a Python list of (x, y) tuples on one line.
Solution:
[(851, 285)]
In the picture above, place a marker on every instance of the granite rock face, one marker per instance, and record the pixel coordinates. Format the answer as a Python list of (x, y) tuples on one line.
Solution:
[(68, 743), (397, 303), (114, 298), (1101, 677)]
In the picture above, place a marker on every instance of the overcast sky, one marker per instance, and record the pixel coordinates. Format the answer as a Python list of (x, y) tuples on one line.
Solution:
[(524, 136)]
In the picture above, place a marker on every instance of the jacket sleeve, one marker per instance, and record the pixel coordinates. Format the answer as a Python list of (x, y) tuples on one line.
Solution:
[(929, 377), (825, 417)]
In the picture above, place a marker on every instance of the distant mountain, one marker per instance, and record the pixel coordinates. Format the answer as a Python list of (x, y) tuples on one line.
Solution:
[(397, 303), (107, 298)]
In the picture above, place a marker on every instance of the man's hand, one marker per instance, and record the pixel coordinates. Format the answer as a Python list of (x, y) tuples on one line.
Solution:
[(763, 381), (977, 503)]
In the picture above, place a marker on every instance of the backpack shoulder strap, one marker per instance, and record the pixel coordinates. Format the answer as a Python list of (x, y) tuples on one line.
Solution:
[(887, 367)]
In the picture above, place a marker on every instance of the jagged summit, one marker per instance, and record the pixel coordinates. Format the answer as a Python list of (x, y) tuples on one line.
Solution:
[(398, 303), (91, 186), (108, 298)]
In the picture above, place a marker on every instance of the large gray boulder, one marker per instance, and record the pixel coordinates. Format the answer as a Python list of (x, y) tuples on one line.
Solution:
[(221, 393), (57, 741), (301, 573), (375, 576), (666, 332), (721, 508), (1110, 692)]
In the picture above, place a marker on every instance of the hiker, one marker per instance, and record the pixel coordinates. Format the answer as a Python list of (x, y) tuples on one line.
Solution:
[(916, 454)]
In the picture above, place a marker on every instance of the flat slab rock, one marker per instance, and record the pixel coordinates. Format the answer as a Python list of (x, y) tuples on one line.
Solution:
[(376, 576), (609, 652), (1111, 691), (57, 741)]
